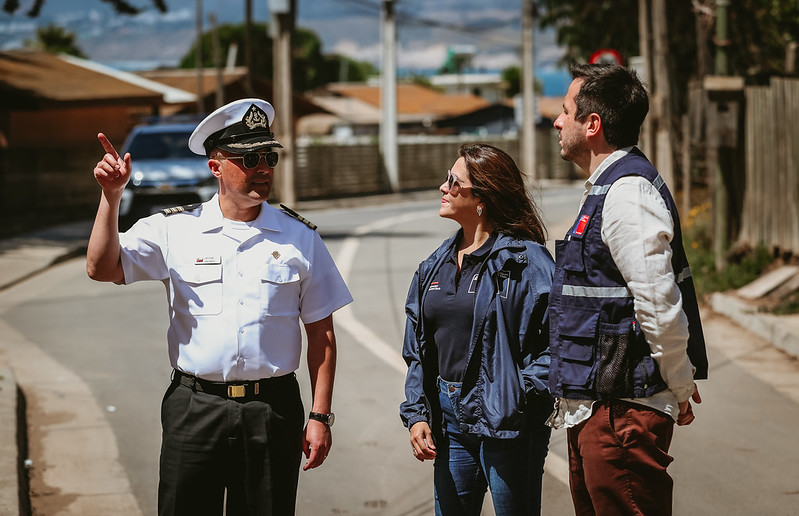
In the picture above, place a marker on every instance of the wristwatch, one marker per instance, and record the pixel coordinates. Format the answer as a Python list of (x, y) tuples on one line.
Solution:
[(327, 419)]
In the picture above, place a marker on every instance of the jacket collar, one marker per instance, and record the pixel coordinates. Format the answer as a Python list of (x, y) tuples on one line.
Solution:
[(502, 243)]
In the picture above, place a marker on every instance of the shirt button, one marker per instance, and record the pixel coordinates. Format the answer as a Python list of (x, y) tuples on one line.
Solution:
[(241, 274), (241, 301), (241, 330)]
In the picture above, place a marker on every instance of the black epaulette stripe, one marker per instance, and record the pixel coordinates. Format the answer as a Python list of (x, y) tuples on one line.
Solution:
[(292, 213), (179, 209)]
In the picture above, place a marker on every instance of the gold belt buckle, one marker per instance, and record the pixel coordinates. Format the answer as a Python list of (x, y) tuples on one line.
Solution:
[(236, 391)]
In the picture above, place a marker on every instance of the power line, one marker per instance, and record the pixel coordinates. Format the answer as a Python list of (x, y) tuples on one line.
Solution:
[(406, 18)]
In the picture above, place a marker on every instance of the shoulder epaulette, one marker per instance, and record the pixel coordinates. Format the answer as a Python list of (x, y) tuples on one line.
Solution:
[(288, 211), (179, 209)]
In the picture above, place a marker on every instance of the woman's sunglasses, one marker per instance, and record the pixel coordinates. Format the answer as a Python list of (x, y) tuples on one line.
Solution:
[(452, 180), (251, 159)]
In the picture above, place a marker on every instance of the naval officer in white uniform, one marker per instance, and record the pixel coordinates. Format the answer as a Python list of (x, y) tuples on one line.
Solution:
[(240, 275)]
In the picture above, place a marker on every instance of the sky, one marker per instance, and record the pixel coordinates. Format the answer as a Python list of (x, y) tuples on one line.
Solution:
[(426, 29)]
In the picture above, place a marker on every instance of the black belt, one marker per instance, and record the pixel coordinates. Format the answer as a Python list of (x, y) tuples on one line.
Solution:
[(234, 390)]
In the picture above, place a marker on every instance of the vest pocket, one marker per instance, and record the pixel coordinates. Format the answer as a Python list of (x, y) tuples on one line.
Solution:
[(569, 254), (618, 356), (577, 334)]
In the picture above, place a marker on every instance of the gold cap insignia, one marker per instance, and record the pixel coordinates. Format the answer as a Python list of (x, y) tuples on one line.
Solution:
[(255, 118)]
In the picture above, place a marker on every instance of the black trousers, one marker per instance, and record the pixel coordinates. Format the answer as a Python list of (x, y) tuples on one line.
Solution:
[(250, 448)]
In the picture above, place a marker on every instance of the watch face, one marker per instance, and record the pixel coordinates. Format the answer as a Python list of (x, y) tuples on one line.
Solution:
[(327, 419)]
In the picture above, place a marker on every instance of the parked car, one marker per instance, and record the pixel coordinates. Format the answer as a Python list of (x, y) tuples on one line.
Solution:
[(165, 172)]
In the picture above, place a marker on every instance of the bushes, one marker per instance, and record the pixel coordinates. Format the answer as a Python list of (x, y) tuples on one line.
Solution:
[(744, 265)]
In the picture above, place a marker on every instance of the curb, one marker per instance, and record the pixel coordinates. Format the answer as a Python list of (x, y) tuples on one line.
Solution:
[(775, 329), (11, 487)]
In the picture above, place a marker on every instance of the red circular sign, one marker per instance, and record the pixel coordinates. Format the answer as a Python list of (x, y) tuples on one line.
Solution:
[(606, 56)]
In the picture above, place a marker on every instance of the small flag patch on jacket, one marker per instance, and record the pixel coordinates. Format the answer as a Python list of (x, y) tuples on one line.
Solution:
[(581, 225)]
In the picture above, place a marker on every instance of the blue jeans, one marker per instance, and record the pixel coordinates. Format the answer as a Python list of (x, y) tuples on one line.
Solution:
[(466, 465)]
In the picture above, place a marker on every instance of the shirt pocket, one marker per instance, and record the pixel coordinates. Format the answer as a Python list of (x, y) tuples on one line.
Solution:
[(199, 289), (280, 290), (577, 339)]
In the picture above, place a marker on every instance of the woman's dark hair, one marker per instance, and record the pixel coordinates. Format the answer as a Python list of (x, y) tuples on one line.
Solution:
[(615, 94), (499, 184)]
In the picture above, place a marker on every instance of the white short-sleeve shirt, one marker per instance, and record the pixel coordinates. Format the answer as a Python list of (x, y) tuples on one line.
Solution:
[(236, 290)]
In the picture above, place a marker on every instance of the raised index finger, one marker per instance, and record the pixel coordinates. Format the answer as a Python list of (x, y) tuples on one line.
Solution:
[(107, 145)]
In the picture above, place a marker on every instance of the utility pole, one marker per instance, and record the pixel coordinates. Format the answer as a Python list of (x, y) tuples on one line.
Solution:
[(528, 148), (248, 53), (645, 51), (282, 27), (220, 86), (721, 200), (388, 96), (198, 55), (664, 159)]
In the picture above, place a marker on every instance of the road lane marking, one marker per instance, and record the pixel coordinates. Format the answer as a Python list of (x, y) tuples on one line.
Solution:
[(346, 317)]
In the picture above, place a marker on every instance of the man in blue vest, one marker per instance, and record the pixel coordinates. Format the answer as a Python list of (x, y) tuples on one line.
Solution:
[(625, 334)]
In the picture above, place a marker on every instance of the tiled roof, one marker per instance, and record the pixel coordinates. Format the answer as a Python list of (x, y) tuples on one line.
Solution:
[(49, 78), (414, 100), (186, 79), (233, 83)]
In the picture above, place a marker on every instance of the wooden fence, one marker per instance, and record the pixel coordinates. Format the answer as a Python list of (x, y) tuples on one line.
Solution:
[(771, 198), (335, 169)]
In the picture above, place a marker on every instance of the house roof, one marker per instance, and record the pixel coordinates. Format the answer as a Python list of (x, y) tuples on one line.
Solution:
[(413, 100), (350, 109), (33, 79), (550, 107), (186, 79), (467, 79), (233, 84)]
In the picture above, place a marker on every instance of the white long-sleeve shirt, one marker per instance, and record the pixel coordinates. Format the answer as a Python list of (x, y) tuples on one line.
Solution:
[(637, 229)]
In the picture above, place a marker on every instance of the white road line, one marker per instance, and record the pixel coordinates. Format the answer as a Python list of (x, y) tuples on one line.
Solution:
[(345, 317)]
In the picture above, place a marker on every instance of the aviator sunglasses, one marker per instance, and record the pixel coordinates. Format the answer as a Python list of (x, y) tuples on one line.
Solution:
[(251, 159), (453, 180)]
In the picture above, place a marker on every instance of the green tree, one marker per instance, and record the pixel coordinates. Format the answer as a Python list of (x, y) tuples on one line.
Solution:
[(56, 40), (512, 77), (121, 6), (759, 32), (310, 68)]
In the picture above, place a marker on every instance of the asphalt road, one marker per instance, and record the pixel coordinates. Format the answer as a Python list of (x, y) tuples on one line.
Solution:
[(99, 350)]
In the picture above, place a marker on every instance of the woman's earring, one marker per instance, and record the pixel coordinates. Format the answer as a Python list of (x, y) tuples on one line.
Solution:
[(479, 211)]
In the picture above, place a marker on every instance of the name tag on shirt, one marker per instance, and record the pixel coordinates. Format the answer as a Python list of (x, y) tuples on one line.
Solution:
[(208, 260)]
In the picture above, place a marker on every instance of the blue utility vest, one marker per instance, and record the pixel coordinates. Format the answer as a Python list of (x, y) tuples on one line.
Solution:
[(598, 350)]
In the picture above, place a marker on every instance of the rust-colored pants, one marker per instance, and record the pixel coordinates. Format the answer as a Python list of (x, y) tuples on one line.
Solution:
[(618, 459)]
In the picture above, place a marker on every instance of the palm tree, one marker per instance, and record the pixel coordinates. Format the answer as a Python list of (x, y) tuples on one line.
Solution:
[(121, 6), (56, 40)]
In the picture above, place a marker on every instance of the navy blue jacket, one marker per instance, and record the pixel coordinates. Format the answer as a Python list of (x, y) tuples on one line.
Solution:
[(508, 357), (598, 349)]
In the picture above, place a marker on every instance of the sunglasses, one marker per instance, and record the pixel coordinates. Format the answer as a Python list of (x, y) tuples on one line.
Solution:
[(452, 180), (251, 159)]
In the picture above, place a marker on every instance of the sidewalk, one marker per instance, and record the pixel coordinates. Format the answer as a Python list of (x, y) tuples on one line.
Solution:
[(24, 256)]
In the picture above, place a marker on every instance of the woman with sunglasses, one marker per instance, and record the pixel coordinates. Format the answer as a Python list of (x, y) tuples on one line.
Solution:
[(476, 343)]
